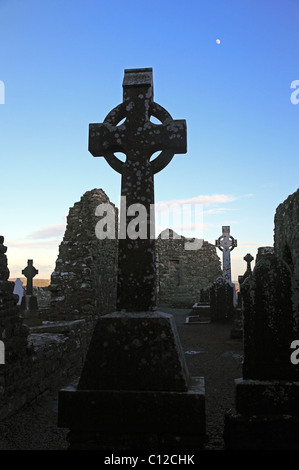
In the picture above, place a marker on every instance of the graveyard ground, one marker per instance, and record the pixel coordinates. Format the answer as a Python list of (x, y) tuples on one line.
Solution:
[(209, 352)]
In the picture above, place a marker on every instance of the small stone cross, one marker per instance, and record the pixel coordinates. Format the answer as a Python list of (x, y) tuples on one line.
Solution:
[(248, 258), (226, 243), (138, 138), (29, 272)]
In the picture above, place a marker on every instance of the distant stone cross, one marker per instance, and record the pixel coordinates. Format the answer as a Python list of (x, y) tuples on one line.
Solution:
[(226, 243), (29, 272), (248, 258), (138, 138)]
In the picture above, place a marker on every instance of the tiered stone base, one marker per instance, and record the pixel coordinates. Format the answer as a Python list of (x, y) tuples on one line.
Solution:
[(135, 391)]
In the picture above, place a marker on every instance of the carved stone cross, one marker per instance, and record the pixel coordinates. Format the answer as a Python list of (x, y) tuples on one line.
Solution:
[(248, 258), (138, 138), (29, 272), (226, 243)]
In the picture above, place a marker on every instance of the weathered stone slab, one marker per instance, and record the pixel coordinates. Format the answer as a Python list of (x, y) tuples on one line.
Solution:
[(268, 322), (267, 410)]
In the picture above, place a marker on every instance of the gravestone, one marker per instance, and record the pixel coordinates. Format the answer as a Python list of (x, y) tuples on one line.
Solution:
[(248, 258), (18, 290), (12, 331), (29, 301), (135, 391), (267, 396), (237, 328)]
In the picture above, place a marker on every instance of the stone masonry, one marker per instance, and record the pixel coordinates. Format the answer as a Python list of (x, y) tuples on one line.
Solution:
[(84, 280), (201, 267)]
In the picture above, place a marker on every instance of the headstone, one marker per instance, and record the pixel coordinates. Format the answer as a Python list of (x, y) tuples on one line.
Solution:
[(135, 391), (237, 328), (29, 301), (267, 396), (248, 258), (29, 272), (18, 290), (200, 312), (12, 331)]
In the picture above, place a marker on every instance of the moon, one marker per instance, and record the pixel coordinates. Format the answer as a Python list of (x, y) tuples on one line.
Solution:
[(218, 41)]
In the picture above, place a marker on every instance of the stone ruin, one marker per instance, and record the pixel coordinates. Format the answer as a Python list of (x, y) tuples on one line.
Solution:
[(267, 396), (183, 273), (84, 280)]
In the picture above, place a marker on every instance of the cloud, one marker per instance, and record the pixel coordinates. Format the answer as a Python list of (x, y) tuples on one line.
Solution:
[(52, 231), (217, 210), (205, 200)]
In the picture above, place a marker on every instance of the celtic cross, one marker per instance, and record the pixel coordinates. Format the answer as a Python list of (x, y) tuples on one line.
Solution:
[(29, 272), (138, 138), (226, 243)]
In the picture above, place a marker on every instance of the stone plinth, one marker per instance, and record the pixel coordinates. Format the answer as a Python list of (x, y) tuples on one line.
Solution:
[(221, 300), (267, 416), (29, 306), (134, 391)]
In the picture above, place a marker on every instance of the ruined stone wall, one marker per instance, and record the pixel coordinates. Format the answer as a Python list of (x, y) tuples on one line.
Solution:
[(84, 280), (53, 357), (200, 267)]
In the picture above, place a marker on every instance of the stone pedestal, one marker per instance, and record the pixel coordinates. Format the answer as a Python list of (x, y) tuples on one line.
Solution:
[(221, 300), (267, 416), (29, 306), (135, 391)]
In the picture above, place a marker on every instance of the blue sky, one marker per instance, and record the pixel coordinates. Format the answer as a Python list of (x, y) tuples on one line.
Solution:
[(62, 66)]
